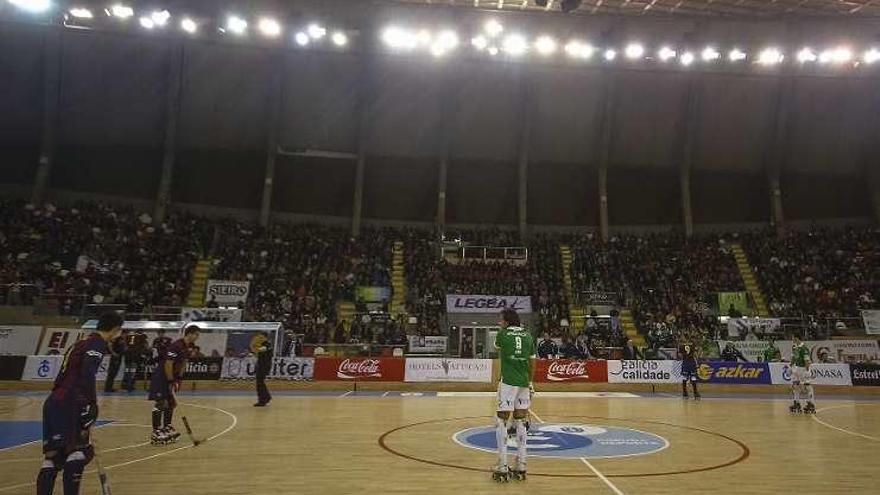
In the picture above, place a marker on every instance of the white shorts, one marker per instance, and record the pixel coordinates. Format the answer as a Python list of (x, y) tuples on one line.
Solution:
[(800, 375), (510, 398)]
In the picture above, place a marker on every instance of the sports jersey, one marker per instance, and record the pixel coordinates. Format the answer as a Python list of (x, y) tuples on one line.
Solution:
[(76, 379), (800, 355), (516, 348), (770, 354)]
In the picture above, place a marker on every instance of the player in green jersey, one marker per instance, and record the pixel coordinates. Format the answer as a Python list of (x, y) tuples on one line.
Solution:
[(800, 378), (516, 351)]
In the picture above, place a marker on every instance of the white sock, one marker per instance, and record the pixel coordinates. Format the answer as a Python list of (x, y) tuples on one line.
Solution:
[(809, 393), (521, 440), (796, 394), (501, 438)]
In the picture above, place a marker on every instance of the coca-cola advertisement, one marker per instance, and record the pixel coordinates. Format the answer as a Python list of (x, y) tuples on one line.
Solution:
[(570, 370), (360, 369)]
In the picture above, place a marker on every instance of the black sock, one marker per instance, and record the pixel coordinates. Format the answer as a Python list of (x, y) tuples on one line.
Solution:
[(73, 471), (157, 419), (684, 388), (694, 385), (167, 416), (46, 479)]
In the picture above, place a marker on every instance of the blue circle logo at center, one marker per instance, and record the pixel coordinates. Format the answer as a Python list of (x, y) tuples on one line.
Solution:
[(573, 441)]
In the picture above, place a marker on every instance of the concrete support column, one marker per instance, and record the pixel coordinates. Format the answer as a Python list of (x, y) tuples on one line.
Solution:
[(443, 172), (523, 153), (172, 114), (690, 129), (274, 102), (364, 104), (51, 97), (606, 123), (778, 150)]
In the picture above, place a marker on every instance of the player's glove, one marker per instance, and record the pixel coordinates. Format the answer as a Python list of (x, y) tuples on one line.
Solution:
[(87, 416)]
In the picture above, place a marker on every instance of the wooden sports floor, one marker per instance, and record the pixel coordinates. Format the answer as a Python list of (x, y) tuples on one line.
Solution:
[(375, 442)]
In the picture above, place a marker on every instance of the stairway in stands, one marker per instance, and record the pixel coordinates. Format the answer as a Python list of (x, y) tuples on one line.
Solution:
[(345, 311), (201, 272), (576, 312), (749, 279), (398, 280)]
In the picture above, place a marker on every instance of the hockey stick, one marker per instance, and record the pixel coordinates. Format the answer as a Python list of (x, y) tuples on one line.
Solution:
[(189, 432), (102, 474)]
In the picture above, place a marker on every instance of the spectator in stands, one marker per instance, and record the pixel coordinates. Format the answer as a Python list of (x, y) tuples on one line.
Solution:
[(731, 353), (732, 312), (631, 352), (771, 353), (583, 345), (547, 348), (569, 350), (117, 350), (213, 302)]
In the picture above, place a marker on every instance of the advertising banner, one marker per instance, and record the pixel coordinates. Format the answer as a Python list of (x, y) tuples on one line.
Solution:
[(448, 370), (644, 371), (741, 326), (456, 303), (742, 373), (570, 370), (871, 318), (822, 374), (865, 374), (427, 345), (58, 340), (19, 340), (210, 314), (45, 368), (283, 368), (365, 293), (227, 292), (842, 351), (11, 367), (373, 369)]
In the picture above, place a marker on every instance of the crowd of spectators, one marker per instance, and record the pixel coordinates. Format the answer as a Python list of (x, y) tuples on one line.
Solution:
[(819, 272), (94, 253), (663, 278)]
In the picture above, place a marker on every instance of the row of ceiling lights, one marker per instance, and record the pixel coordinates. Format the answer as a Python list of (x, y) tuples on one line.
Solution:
[(490, 40)]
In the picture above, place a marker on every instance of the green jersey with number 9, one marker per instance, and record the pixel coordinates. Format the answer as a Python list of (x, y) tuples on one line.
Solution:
[(516, 348)]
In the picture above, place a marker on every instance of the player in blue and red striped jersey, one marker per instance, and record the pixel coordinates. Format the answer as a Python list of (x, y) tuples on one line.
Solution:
[(165, 384), (72, 408)]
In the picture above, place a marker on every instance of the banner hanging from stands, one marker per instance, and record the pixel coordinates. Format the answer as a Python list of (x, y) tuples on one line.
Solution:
[(821, 374), (739, 327), (365, 293), (570, 370), (419, 344), (19, 340), (742, 373), (360, 369), (871, 318), (210, 314), (457, 303), (227, 292), (597, 298), (865, 374), (839, 351), (644, 371), (448, 370), (283, 368), (58, 340), (753, 350)]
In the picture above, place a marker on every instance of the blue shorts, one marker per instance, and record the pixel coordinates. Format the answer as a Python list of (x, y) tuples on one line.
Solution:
[(160, 389), (688, 371), (62, 430)]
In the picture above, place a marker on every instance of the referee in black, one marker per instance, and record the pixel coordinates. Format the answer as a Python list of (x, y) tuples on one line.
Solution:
[(262, 348)]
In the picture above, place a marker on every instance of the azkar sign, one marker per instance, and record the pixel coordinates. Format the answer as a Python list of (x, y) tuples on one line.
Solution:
[(360, 369), (745, 373), (570, 370)]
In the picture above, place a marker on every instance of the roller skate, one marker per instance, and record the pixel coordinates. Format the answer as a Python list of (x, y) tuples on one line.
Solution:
[(500, 474), (795, 408), (697, 396), (684, 395), (157, 438), (171, 434), (810, 408), (518, 474)]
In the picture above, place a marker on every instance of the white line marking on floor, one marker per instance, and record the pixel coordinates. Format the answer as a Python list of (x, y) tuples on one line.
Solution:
[(347, 393), (592, 468), (843, 430)]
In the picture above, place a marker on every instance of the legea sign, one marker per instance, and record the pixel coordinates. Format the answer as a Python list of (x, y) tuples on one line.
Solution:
[(457, 303)]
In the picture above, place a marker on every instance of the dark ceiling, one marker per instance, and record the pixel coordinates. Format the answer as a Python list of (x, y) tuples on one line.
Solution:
[(709, 8)]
